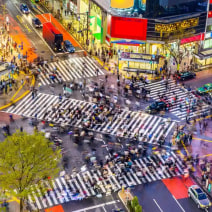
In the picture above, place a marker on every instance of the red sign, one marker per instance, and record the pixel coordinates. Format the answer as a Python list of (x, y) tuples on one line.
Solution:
[(210, 14), (192, 39), (128, 28), (108, 24), (210, 1)]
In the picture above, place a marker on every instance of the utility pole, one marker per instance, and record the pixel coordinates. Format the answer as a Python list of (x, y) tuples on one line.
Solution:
[(87, 40)]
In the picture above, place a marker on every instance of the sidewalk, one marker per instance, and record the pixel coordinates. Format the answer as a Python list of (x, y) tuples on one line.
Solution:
[(6, 100), (124, 197)]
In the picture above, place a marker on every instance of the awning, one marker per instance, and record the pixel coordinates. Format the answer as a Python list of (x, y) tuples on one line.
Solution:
[(203, 55), (128, 42)]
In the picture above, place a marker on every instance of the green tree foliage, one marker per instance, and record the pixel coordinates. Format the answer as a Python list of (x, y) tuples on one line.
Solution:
[(133, 205), (26, 160), (138, 208)]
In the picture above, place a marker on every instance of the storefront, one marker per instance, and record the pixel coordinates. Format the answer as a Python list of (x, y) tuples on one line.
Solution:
[(137, 62), (203, 59)]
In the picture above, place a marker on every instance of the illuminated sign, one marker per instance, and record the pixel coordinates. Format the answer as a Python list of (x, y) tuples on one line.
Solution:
[(127, 56), (177, 26), (122, 4), (128, 28), (192, 39)]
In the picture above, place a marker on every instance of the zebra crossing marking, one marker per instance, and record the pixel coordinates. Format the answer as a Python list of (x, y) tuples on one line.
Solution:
[(62, 190), (128, 124), (159, 87), (70, 69)]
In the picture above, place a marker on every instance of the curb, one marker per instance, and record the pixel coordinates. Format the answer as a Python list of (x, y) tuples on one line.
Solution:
[(119, 194), (122, 201), (19, 98)]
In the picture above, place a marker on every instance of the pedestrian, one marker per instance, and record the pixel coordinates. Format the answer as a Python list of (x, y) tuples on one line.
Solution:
[(205, 124), (33, 94), (60, 97), (200, 124), (21, 128), (106, 77), (190, 137), (97, 72), (5, 88)]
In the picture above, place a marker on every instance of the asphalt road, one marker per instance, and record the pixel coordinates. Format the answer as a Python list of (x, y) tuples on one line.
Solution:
[(202, 78), (25, 22), (156, 197), (104, 204)]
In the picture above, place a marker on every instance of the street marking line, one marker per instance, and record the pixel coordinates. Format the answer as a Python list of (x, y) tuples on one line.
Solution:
[(181, 154), (158, 205), (185, 148), (179, 204), (202, 140), (35, 30), (208, 155), (104, 209), (97, 206)]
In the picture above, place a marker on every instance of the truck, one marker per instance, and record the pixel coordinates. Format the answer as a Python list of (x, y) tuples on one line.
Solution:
[(52, 36)]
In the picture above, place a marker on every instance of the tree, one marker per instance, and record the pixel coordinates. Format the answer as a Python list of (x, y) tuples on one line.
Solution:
[(138, 208), (177, 53), (26, 160), (134, 205)]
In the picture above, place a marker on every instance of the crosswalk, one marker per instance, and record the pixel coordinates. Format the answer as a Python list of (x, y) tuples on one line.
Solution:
[(70, 69), (160, 88), (104, 181), (125, 123)]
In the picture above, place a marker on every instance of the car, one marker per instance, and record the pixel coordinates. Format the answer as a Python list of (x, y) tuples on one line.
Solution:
[(199, 197), (205, 88), (24, 8), (156, 107), (185, 75), (36, 23), (68, 46)]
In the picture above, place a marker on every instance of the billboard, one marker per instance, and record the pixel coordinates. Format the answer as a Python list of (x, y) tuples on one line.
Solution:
[(122, 4), (192, 39), (128, 28)]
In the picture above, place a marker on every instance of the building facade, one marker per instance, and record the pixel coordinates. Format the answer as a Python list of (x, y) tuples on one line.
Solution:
[(145, 26)]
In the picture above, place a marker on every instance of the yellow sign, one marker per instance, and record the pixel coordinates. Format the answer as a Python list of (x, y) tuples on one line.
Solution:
[(122, 4), (174, 27)]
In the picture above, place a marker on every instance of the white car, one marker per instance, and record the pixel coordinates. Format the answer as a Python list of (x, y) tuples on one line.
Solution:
[(198, 195)]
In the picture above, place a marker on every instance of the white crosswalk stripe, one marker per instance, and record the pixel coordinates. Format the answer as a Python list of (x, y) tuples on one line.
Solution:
[(86, 184), (68, 70), (127, 124), (159, 88)]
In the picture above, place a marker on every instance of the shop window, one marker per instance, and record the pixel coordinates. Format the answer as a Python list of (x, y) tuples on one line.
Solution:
[(209, 28), (208, 44)]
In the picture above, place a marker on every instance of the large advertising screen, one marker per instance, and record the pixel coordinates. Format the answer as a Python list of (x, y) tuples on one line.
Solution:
[(122, 4), (128, 28)]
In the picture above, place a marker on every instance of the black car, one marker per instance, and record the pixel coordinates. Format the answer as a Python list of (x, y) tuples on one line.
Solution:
[(36, 23), (157, 106), (68, 46), (185, 75), (24, 8)]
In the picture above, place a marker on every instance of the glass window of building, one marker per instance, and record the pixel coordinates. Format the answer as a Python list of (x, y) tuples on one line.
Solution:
[(162, 8)]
